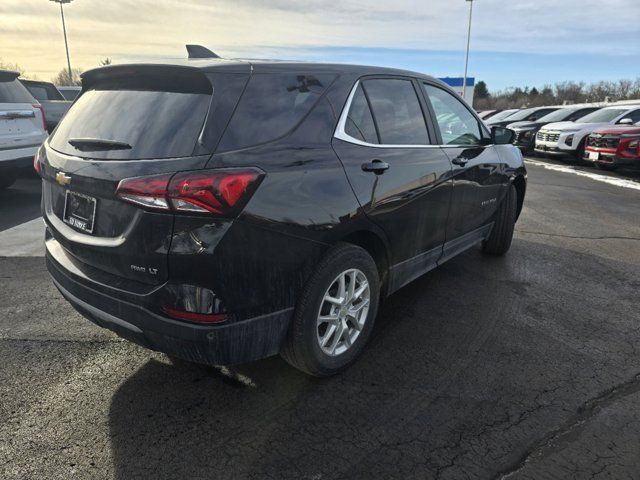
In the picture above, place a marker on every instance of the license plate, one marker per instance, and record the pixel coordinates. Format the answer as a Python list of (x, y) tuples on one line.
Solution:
[(79, 211), (594, 155)]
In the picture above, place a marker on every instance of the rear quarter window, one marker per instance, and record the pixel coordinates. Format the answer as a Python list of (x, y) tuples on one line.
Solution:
[(271, 106)]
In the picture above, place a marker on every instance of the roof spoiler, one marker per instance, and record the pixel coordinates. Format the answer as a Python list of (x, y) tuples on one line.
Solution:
[(8, 75), (198, 51)]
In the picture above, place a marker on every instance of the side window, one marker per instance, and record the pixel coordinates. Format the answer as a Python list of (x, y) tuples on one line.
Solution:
[(397, 112), (580, 113), (539, 114), (359, 120), (635, 116), (271, 105), (457, 125)]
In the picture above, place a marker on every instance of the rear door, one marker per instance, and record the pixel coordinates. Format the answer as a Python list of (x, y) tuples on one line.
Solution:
[(399, 177), (148, 122), (21, 124), (479, 182)]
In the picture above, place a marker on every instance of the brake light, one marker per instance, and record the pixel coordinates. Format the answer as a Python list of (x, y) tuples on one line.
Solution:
[(221, 192), (36, 162), (44, 120), (148, 192)]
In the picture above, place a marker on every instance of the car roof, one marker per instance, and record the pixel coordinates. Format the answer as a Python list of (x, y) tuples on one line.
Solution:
[(36, 82), (269, 66)]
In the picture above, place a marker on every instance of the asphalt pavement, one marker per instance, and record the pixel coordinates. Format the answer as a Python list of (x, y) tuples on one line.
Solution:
[(521, 367)]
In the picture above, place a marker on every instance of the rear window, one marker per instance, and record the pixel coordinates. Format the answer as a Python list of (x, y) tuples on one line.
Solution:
[(14, 92), (43, 92), (271, 106), (155, 124)]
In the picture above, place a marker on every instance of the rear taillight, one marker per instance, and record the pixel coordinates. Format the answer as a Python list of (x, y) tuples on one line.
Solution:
[(36, 162), (44, 120), (220, 192)]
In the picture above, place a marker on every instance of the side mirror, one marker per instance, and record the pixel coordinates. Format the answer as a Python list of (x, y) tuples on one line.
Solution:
[(625, 121), (502, 136)]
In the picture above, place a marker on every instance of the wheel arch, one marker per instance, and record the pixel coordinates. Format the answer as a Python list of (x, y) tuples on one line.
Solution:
[(521, 187), (375, 246)]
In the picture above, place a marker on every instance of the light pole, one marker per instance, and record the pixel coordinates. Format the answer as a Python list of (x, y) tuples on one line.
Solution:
[(466, 61), (64, 30)]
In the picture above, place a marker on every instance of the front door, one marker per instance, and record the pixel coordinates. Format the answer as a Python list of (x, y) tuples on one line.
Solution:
[(401, 180), (479, 181)]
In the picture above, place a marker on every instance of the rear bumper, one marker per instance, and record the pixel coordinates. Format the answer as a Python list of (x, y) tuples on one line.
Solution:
[(224, 344)]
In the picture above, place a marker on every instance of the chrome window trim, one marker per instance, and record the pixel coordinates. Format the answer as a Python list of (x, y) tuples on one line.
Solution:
[(340, 133)]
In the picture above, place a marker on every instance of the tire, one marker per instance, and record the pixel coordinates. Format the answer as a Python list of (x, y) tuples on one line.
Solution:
[(606, 168), (7, 178), (499, 241), (580, 151), (302, 348)]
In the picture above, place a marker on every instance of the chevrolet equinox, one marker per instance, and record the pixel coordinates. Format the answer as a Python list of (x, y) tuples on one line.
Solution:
[(224, 211)]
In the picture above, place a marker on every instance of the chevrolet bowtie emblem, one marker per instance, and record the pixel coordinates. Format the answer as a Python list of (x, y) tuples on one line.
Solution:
[(63, 179)]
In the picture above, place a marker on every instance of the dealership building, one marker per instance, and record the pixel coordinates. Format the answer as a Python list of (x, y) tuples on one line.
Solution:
[(456, 84)]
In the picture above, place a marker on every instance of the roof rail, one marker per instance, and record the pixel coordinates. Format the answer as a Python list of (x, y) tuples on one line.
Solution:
[(198, 51)]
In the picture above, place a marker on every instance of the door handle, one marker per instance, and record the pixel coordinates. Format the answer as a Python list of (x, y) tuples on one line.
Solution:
[(461, 161), (376, 166)]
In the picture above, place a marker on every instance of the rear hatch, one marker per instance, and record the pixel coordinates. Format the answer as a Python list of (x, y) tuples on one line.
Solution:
[(129, 121), (21, 123)]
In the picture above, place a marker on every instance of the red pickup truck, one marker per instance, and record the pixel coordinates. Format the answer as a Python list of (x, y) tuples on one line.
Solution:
[(612, 147)]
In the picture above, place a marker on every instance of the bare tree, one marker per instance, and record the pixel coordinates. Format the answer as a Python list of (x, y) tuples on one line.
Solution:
[(62, 77)]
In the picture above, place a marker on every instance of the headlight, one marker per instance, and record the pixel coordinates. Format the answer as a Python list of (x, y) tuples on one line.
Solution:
[(568, 140)]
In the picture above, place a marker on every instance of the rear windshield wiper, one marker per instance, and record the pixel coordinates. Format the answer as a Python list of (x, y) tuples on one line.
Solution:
[(97, 144)]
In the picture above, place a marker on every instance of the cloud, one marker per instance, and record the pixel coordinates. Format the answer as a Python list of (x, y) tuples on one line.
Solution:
[(124, 29)]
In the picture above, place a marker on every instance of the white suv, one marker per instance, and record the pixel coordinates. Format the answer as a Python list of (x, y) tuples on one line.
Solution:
[(568, 138), (22, 127)]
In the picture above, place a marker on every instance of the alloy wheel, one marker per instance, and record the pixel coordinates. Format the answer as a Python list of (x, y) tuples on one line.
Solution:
[(343, 312)]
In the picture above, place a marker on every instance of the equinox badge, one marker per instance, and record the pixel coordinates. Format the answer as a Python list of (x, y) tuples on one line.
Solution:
[(63, 179)]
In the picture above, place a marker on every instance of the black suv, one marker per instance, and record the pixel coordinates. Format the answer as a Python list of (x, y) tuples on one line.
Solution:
[(225, 211)]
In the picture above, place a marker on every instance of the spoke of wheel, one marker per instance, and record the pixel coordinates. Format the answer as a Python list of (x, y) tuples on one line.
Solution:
[(332, 319), (334, 300), (347, 336), (355, 309), (358, 293), (342, 291), (328, 334), (336, 338), (352, 285)]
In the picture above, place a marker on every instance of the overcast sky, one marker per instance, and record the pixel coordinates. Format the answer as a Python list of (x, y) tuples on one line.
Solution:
[(514, 42)]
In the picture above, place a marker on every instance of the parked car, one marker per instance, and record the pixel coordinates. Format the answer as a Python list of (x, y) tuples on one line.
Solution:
[(525, 115), (54, 104), (22, 128), (504, 114), (224, 211), (612, 147), (526, 132), (568, 138), (69, 92), (485, 114)]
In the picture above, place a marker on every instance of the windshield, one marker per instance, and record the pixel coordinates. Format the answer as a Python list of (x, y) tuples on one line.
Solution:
[(502, 115), (558, 115), (603, 116)]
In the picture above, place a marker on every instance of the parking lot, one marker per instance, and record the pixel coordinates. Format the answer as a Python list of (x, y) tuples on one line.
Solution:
[(525, 367)]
